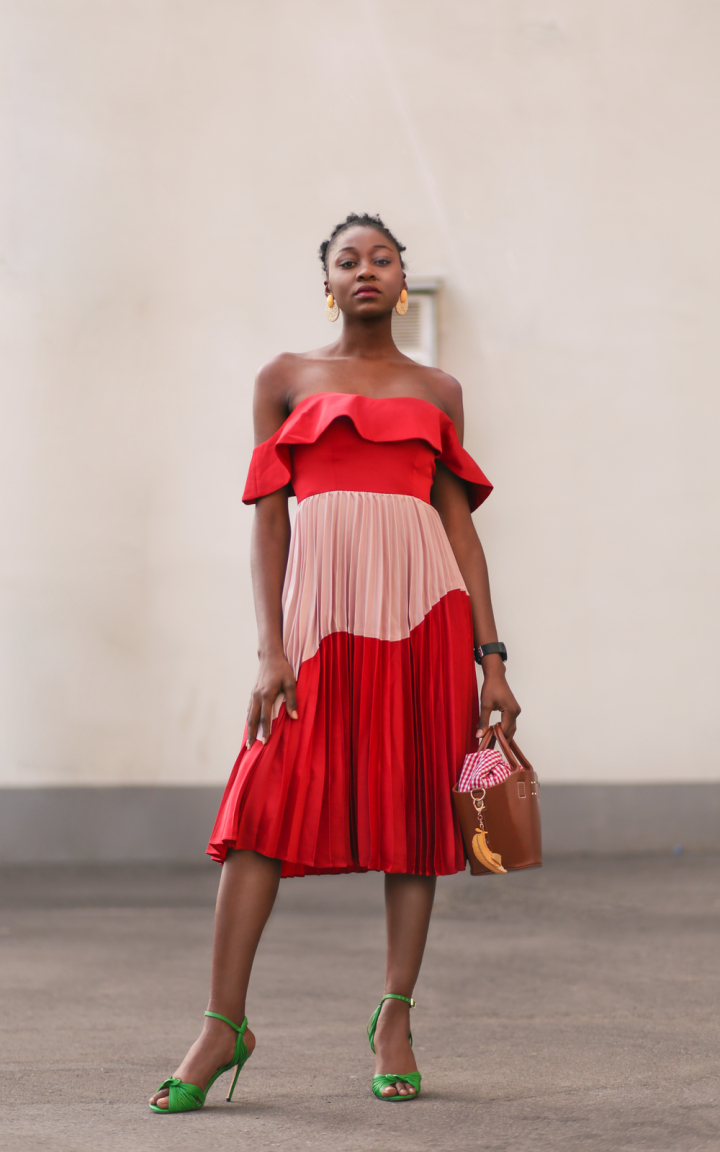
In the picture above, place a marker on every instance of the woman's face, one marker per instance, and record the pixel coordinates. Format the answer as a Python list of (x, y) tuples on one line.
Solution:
[(364, 272)]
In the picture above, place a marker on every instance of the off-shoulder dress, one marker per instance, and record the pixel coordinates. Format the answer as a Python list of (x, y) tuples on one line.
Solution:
[(378, 629)]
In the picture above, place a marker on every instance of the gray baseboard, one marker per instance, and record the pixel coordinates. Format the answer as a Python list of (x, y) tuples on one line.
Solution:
[(54, 825), (630, 817)]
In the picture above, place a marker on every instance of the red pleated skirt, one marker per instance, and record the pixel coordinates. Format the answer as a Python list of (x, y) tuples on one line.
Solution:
[(378, 628)]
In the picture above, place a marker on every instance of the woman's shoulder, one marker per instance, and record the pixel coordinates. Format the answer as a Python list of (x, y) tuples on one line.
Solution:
[(446, 389), (273, 386), (281, 379), (446, 393), (278, 373)]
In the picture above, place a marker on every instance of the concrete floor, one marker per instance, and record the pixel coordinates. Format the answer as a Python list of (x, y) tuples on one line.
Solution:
[(570, 1008)]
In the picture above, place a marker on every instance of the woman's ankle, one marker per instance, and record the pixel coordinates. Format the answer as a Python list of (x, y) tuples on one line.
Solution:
[(395, 1008), (236, 1015), (217, 1031)]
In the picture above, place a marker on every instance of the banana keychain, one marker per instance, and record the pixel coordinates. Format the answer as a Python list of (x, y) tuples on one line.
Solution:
[(491, 860)]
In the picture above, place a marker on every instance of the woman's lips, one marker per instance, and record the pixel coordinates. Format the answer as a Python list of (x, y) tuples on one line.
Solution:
[(368, 292)]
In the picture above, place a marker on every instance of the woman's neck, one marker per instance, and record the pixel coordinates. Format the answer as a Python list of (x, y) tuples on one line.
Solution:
[(367, 338)]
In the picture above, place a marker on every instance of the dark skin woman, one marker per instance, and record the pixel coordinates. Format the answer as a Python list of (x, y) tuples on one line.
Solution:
[(365, 276)]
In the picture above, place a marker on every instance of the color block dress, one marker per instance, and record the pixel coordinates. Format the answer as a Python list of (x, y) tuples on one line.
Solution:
[(378, 629)]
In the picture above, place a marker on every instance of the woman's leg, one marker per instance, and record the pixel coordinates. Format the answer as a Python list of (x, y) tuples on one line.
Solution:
[(248, 887), (408, 905)]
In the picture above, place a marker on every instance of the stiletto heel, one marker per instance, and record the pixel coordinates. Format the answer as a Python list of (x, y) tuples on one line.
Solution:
[(188, 1097), (385, 1081), (229, 1096)]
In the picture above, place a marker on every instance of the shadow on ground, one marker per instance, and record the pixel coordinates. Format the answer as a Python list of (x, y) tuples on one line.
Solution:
[(572, 1008)]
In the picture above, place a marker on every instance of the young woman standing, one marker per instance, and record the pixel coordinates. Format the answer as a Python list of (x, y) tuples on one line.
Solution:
[(369, 618)]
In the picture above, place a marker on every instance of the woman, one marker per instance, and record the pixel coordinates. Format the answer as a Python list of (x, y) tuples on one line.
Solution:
[(366, 700)]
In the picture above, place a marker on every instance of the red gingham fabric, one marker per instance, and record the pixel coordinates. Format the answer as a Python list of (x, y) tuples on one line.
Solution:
[(482, 770)]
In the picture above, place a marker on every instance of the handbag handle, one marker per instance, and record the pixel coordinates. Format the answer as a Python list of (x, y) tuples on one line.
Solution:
[(488, 740), (521, 757), (515, 758)]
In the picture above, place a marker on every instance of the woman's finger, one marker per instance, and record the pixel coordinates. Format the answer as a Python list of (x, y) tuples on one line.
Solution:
[(508, 721), (266, 715), (484, 719), (290, 690), (253, 717)]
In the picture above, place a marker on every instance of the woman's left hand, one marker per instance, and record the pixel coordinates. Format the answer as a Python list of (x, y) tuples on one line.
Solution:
[(496, 696)]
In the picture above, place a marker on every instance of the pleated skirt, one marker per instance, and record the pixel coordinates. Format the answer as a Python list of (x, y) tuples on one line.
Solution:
[(378, 629)]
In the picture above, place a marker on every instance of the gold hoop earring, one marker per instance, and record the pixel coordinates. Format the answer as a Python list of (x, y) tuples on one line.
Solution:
[(331, 309), (402, 305)]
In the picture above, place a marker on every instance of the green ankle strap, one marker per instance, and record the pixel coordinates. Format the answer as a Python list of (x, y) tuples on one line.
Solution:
[(372, 1022), (238, 1027), (394, 996)]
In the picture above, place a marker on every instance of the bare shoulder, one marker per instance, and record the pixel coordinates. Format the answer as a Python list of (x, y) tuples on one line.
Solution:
[(271, 396), (447, 394), (276, 374)]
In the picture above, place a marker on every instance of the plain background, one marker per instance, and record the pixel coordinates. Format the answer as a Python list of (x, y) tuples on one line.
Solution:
[(169, 169)]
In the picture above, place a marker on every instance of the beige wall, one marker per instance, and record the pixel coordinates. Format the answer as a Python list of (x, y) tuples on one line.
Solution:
[(168, 172)]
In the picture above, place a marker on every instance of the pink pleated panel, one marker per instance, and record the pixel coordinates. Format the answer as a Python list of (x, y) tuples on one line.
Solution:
[(366, 563)]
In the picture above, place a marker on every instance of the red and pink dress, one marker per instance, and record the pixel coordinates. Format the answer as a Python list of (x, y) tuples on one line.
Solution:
[(378, 629)]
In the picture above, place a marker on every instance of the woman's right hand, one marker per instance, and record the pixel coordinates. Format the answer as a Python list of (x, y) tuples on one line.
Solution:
[(274, 676)]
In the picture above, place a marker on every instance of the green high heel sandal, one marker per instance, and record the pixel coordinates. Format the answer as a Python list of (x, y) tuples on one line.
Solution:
[(187, 1097), (384, 1081)]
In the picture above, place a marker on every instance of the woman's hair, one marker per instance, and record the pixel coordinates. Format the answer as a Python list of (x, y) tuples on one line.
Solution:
[(365, 221)]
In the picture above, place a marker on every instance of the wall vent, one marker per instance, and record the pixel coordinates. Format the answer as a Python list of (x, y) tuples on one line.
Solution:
[(415, 333)]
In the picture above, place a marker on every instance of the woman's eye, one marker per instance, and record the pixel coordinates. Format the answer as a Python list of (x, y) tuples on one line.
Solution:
[(382, 261), (347, 263)]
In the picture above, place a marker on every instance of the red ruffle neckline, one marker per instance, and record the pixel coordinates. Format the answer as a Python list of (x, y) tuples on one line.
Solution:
[(382, 420)]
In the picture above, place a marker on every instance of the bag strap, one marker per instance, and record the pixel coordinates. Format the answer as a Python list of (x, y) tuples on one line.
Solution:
[(515, 758), (505, 748), (521, 757), (488, 740), (511, 752)]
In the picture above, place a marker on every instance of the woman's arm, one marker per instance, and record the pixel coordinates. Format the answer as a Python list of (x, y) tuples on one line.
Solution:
[(449, 497), (268, 561)]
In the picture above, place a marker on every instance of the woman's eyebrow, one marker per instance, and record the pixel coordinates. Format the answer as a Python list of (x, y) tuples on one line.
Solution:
[(351, 249)]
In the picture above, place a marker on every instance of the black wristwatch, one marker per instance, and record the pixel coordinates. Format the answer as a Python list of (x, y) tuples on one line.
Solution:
[(495, 649)]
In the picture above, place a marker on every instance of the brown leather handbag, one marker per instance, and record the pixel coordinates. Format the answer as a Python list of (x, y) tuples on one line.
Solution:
[(501, 825)]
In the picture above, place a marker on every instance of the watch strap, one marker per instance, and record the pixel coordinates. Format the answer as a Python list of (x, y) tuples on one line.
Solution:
[(494, 649)]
